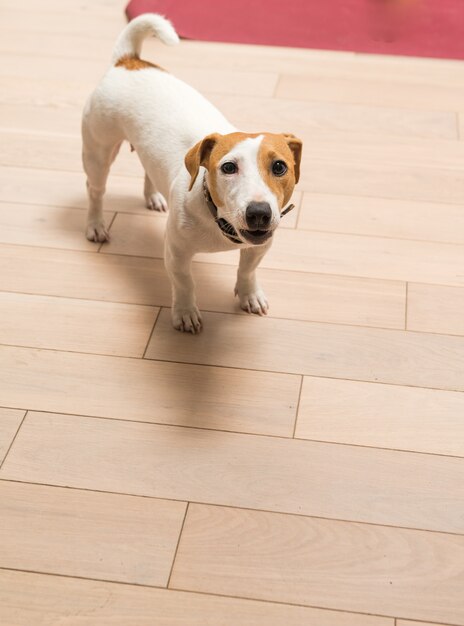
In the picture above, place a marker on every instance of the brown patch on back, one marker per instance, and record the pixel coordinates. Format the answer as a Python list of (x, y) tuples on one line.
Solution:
[(134, 63)]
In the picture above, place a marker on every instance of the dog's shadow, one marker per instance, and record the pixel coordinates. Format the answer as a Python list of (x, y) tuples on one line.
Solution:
[(140, 280)]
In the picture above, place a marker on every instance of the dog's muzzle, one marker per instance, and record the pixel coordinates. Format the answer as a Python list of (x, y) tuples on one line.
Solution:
[(256, 237), (258, 217)]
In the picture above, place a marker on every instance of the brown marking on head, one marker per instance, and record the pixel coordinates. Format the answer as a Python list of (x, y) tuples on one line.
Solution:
[(135, 63), (285, 148), (209, 151)]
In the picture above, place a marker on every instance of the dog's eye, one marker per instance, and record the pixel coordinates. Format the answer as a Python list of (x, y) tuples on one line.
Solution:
[(229, 168), (279, 168)]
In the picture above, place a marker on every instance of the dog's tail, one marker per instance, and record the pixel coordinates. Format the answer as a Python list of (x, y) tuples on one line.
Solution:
[(129, 43)]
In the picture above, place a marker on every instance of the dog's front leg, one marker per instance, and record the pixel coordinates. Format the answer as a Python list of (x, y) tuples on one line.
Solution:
[(251, 296), (185, 313)]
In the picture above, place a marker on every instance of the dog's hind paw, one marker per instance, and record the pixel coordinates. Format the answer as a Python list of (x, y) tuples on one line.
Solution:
[(97, 232), (157, 202), (187, 320)]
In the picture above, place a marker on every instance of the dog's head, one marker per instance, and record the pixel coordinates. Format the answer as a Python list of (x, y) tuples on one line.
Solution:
[(250, 178)]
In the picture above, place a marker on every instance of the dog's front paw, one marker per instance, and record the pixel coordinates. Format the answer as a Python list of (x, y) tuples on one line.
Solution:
[(157, 202), (187, 320), (96, 231), (254, 302)]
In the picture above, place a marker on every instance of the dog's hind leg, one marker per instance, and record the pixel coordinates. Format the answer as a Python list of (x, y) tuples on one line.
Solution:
[(155, 201), (97, 158)]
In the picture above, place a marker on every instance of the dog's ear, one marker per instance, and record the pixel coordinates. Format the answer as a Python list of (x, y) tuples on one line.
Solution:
[(296, 146), (199, 155)]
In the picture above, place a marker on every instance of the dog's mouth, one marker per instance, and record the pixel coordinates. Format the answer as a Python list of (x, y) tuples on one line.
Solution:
[(256, 236)]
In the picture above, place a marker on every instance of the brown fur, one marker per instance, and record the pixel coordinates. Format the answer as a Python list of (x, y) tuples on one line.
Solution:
[(285, 148), (213, 148), (134, 63)]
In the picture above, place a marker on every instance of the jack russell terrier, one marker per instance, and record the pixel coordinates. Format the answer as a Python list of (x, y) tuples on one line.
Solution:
[(236, 203)]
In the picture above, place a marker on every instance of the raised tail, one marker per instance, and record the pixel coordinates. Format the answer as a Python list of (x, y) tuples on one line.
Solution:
[(129, 43)]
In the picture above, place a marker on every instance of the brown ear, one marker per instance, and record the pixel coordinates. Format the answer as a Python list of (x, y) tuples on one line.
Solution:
[(296, 146), (199, 155)]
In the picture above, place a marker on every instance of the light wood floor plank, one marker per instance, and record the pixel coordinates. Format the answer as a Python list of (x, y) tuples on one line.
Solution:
[(32, 186), (320, 562), (380, 217), (75, 325), (95, 535), (292, 295), (336, 299), (143, 234), (271, 473), (316, 87), (9, 424), (404, 181), (382, 150), (73, 7), (27, 599), (94, 276), (301, 116), (317, 252), (374, 257), (57, 152), (222, 80), (35, 117), (52, 227), (328, 350), (435, 309), (132, 389), (76, 44), (57, 21), (67, 96), (385, 416), (402, 622)]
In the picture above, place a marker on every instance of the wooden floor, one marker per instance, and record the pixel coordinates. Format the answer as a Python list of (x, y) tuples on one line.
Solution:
[(306, 469)]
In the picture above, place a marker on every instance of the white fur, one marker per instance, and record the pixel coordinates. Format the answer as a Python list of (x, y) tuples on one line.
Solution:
[(163, 117), (130, 40)]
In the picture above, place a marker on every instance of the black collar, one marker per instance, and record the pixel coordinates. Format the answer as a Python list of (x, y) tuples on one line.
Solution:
[(226, 228)]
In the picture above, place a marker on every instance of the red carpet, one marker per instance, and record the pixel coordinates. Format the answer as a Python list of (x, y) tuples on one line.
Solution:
[(431, 28)]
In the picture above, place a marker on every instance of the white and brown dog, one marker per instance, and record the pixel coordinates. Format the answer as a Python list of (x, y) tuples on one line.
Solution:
[(236, 203)]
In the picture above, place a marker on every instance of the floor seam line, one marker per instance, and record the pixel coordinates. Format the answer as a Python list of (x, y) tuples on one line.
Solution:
[(177, 545), (238, 507), (13, 440)]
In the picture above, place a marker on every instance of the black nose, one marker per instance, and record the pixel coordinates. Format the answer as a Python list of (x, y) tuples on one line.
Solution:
[(258, 215)]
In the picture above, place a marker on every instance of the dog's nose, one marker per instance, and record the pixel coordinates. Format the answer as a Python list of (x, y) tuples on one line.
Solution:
[(258, 215)]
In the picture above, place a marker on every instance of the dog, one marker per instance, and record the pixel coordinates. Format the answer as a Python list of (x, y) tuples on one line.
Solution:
[(235, 201)]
